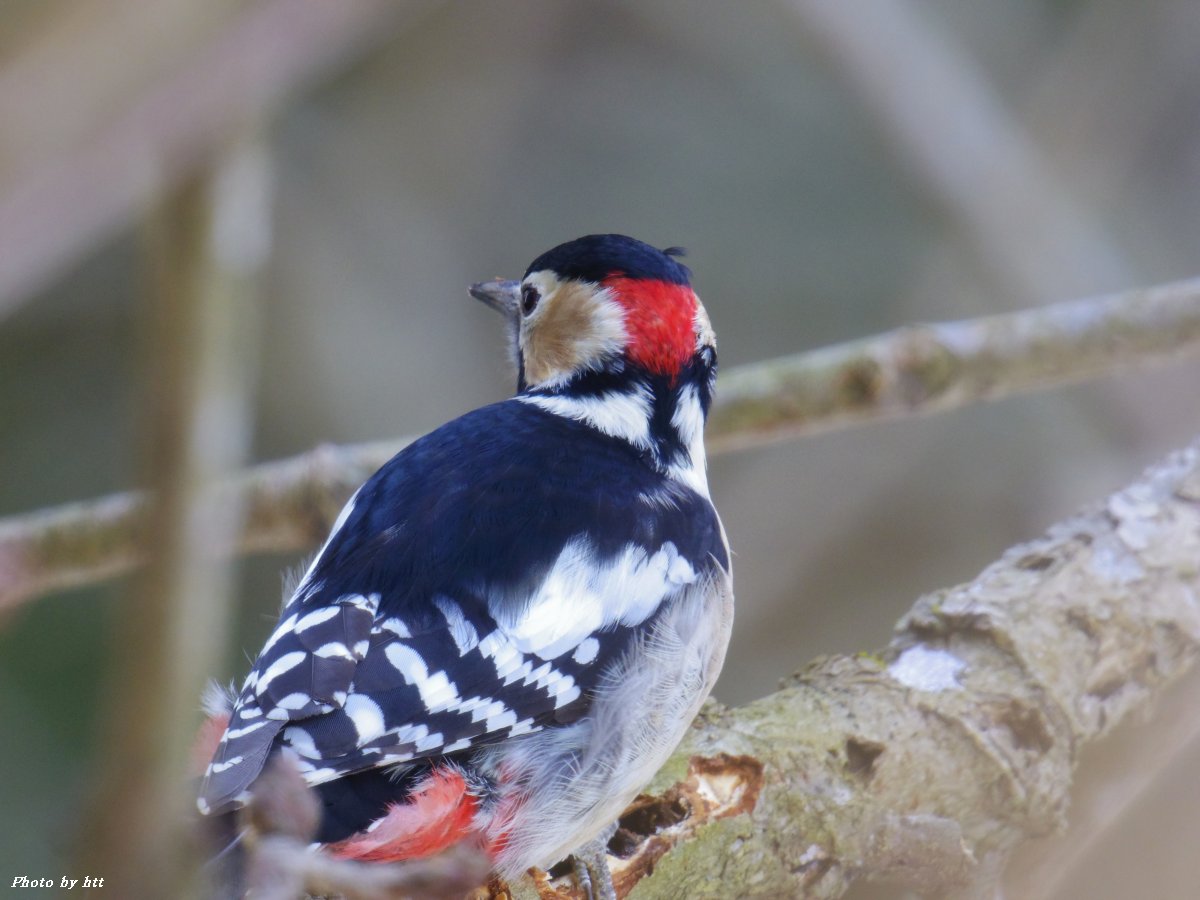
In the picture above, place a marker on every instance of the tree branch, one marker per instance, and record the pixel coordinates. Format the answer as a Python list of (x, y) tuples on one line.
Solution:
[(923, 766), (279, 825), (915, 370), (933, 368), (927, 764)]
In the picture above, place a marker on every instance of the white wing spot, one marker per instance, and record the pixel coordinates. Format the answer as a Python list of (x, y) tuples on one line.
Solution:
[(366, 602), (301, 741), (316, 618), (429, 742), (366, 716), (407, 662), (492, 709), (395, 626), (502, 720), (466, 638), (219, 767), (235, 733), (568, 696), (285, 663), (284, 627), (584, 593), (586, 651), (294, 701), (437, 691), (504, 656), (334, 649)]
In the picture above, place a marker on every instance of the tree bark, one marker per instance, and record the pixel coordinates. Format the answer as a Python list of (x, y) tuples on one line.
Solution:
[(919, 369), (926, 764)]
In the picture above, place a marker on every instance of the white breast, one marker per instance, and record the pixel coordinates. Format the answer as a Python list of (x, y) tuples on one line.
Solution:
[(587, 773)]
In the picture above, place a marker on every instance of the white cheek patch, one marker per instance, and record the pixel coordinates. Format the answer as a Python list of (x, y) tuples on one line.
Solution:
[(688, 418), (688, 422), (581, 595), (705, 336), (624, 415)]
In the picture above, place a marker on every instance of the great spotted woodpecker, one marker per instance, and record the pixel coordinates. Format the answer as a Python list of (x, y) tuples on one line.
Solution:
[(513, 622)]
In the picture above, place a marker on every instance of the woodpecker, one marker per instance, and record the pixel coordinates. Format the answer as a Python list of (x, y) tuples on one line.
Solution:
[(513, 622)]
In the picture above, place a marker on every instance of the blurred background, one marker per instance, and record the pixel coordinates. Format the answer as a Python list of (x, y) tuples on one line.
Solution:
[(835, 170)]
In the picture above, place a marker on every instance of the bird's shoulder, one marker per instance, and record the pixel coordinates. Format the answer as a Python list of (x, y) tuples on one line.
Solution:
[(498, 494)]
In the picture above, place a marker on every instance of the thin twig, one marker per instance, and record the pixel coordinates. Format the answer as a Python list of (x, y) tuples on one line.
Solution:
[(932, 368), (915, 370)]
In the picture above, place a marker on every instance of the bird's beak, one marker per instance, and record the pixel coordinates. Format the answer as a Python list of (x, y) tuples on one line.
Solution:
[(502, 296)]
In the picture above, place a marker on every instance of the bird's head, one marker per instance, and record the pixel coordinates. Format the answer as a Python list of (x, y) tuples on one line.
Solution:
[(603, 304)]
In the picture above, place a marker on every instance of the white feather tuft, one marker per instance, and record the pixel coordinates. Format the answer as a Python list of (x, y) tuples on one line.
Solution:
[(218, 699)]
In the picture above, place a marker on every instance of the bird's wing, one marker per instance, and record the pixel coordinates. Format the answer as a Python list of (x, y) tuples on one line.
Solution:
[(464, 598)]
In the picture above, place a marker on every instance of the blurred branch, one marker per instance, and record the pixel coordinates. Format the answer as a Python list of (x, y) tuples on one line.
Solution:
[(281, 823), (1046, 869), (208, 245), (926, 765), (932, 368), (915, 370), (65, 199), (952, 132)]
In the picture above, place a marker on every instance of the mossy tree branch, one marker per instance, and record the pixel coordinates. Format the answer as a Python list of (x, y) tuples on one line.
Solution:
[(928, 763), (924, 765), (919, 369)]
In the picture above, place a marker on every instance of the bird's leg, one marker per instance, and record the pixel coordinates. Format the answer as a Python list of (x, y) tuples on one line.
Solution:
[(591, 867)]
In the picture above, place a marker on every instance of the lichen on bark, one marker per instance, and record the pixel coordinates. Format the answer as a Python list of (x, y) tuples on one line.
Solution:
[(925, 764)]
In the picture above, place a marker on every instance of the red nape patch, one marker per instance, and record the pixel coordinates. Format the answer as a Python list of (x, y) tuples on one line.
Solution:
[(659, 317), (204, 745), (438, 814)]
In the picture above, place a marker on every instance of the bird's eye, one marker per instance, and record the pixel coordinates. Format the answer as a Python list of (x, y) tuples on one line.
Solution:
[(529, 298)]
